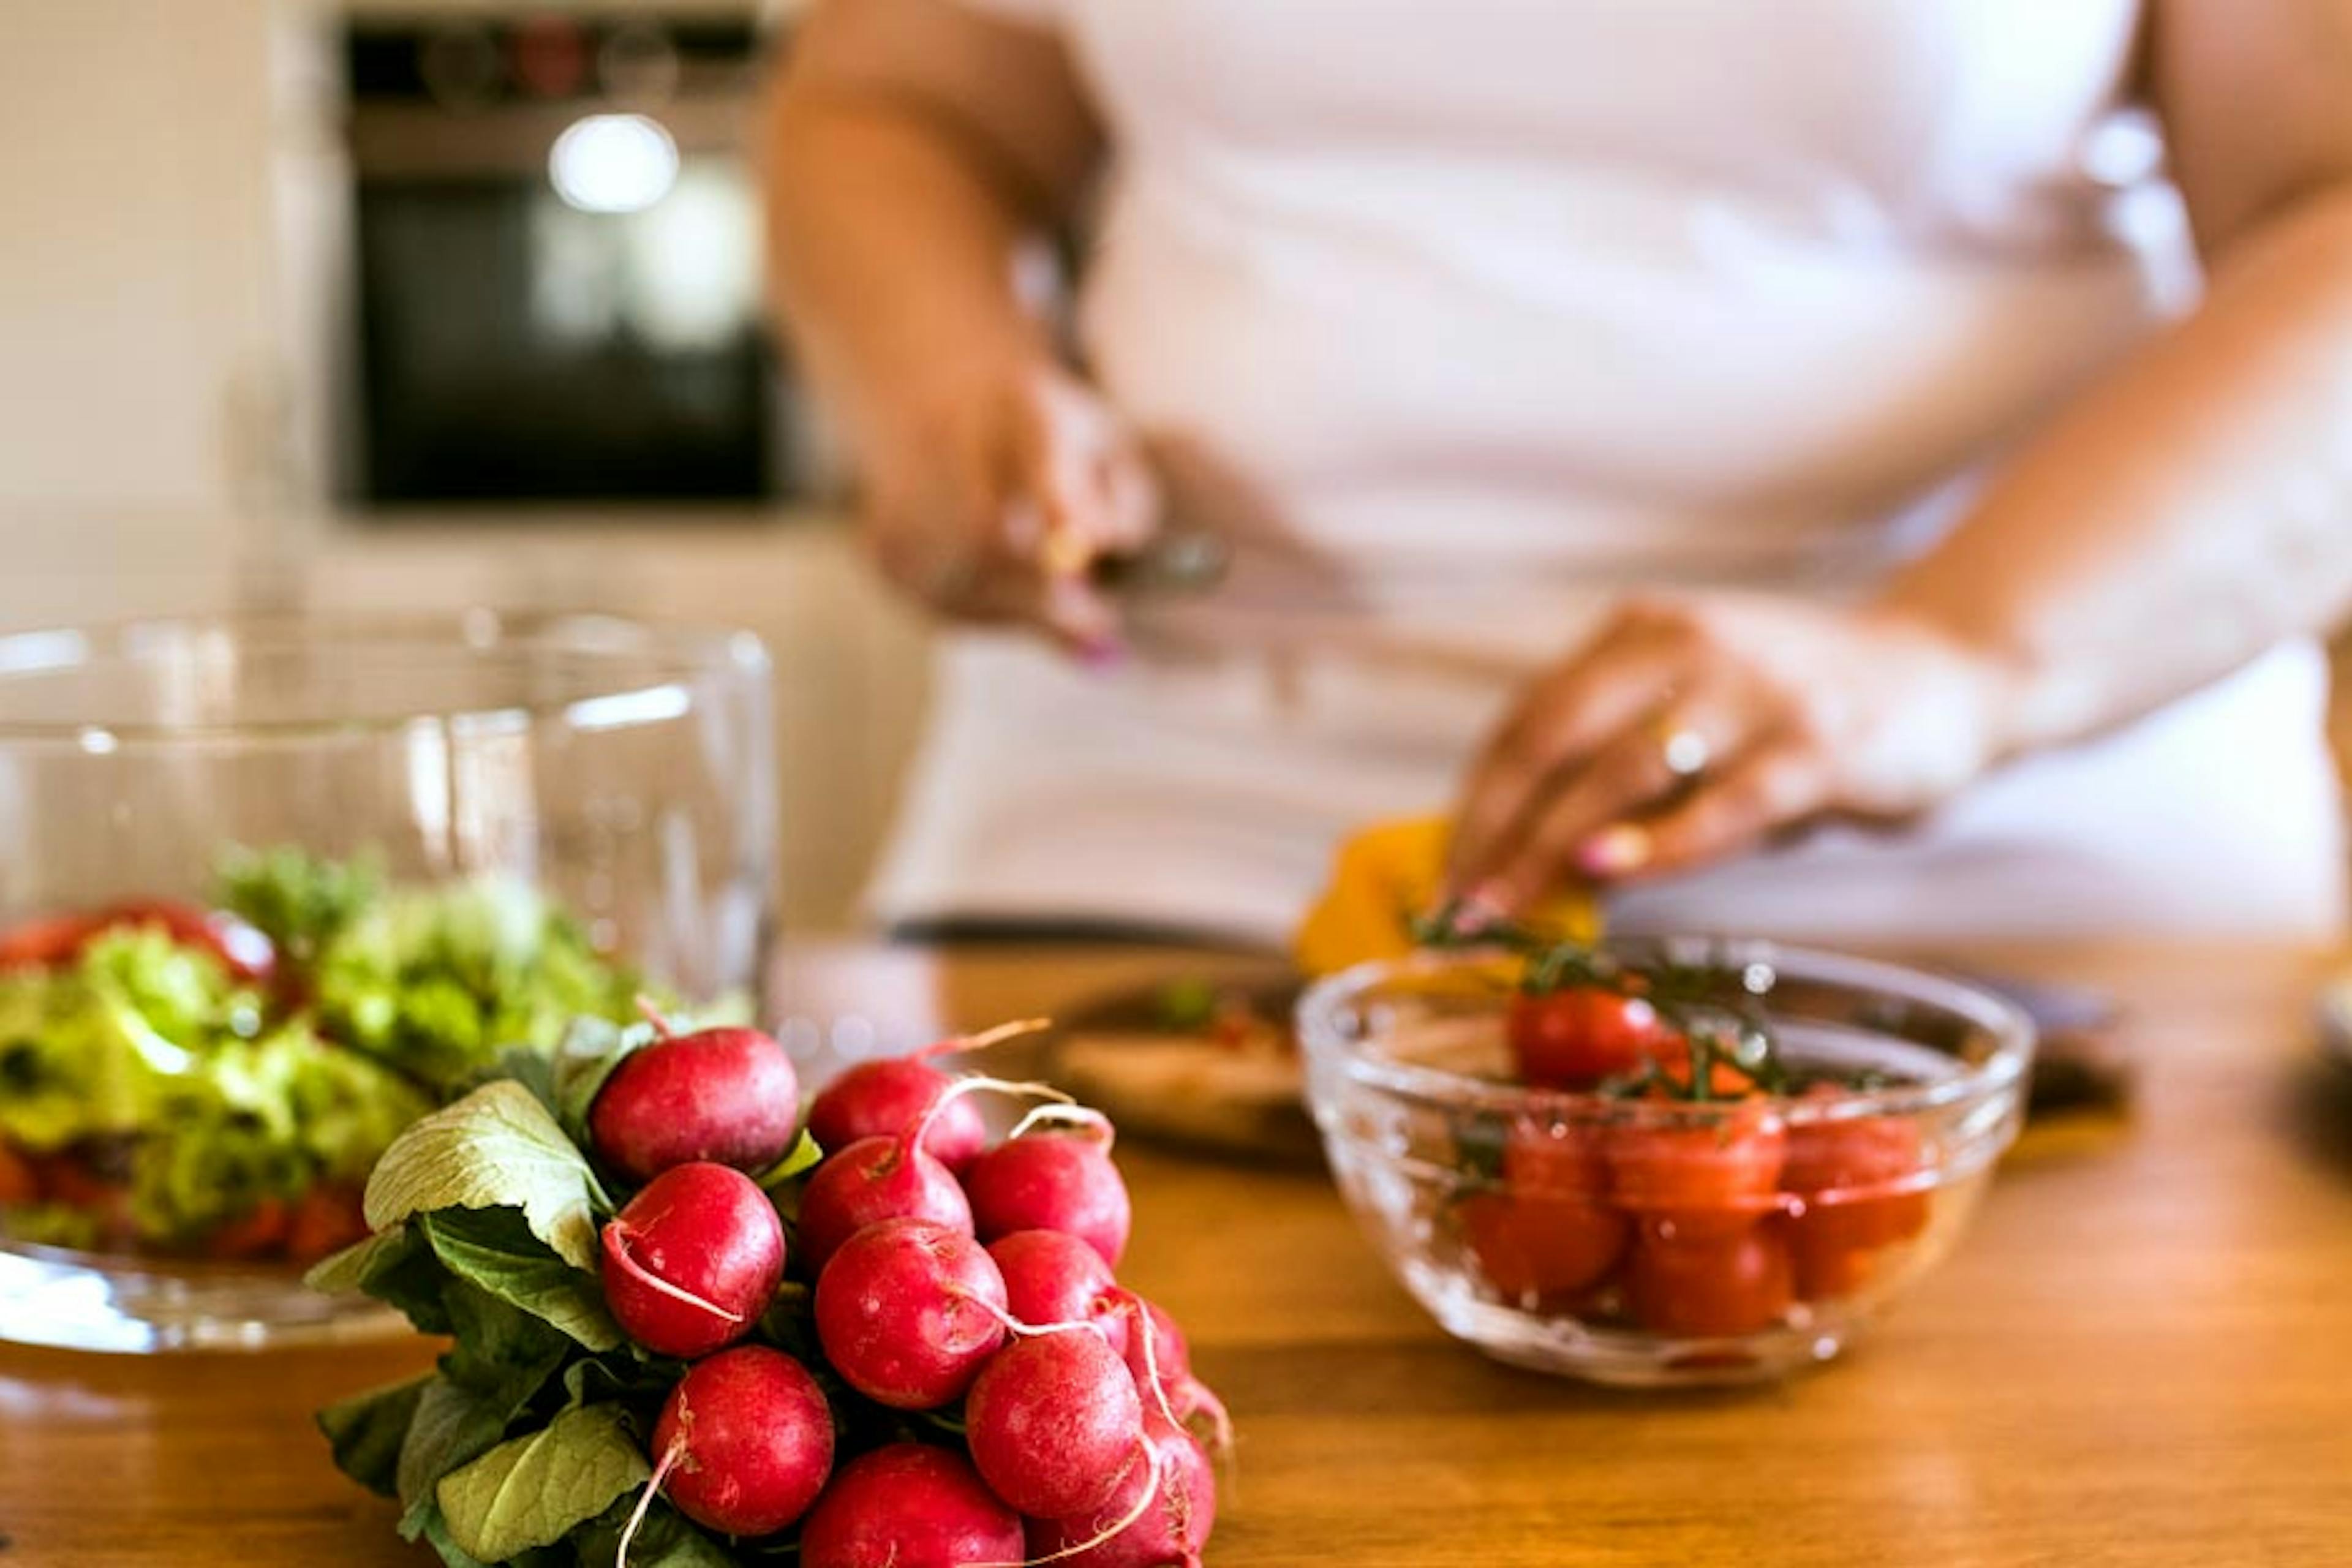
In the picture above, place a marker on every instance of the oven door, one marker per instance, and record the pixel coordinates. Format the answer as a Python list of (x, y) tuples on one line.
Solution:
[(559, 299)]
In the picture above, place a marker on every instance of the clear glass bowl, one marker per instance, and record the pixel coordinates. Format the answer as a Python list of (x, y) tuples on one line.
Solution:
[(1596, 1237), (584, 775)]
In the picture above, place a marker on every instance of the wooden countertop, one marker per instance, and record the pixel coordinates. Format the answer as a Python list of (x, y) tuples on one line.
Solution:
[(2142, 1353)]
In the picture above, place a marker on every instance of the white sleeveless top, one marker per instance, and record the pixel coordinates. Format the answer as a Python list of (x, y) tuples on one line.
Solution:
[(1457, 319)]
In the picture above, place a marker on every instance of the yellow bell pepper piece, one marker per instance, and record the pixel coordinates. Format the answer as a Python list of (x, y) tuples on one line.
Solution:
[(1384, 876)]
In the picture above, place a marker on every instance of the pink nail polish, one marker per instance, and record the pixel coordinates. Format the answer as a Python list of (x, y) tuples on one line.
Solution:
[(1102, 654), (1614, 851)]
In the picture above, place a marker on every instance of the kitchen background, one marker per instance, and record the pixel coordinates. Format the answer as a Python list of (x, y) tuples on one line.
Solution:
[(216, 386), (184, 397)]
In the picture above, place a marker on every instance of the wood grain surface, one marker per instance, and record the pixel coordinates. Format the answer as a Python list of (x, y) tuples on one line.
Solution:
[(2141, 1354)]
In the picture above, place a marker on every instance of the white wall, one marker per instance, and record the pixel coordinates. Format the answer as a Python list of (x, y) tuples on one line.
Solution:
[(135, 343)]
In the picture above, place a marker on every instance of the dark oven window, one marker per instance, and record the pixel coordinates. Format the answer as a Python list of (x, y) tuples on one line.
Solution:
[(558, 290)]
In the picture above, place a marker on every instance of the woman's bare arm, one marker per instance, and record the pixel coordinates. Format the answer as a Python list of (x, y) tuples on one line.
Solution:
[(2197, 507), (2190, 512), (913, 148)]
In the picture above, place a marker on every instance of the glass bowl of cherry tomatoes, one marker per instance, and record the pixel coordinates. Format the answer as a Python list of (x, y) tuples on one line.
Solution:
[(1662, 1162)]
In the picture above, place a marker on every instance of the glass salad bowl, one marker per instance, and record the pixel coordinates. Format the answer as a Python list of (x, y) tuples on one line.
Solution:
[(1647, 1239), (272, 888)]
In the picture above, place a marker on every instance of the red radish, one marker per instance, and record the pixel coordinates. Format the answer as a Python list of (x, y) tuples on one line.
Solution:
[(693, 1260), (724, 1095), (746, 1444), (1170, 1350), (909, 1310), (877, 1179), (1054, 1423), (1052, 1182), (1161, 1365), (908, 1505), (1159, 1517), (877, 1099), (873, 1180), (1052, 1277)]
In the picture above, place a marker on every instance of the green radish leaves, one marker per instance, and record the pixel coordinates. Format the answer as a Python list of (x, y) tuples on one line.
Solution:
[(497, 1148), (532, 1491), (398, 1268), (368, 1430), (453, 1426), (495, 1250), (354, 1266), (591, 1048), (803, 1155), (664, 1541)]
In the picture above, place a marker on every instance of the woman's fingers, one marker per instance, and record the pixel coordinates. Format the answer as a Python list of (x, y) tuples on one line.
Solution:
[(1774, 787), (1089, 479), (999, 510), (1559, 723), (1079, 489), (1578, 831)]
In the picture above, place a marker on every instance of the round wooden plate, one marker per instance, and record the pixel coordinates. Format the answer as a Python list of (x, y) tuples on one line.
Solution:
[(1198, 1061)]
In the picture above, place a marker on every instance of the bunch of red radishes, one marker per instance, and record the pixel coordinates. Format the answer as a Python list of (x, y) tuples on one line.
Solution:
[(948, 1276)]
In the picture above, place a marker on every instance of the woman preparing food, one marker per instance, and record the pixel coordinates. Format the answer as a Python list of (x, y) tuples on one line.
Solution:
[(1744, 418)]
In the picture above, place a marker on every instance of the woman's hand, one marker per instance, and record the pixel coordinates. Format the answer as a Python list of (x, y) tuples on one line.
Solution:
[(1693, 727), (991, 496)]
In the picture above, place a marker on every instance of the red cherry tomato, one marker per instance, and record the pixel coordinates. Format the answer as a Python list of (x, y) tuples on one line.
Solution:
[(1828, 1270), (45, 942), (56, 940), (19, 1181), (1559, 1161), (326, 1219), (1709, 1287), (1575, 1037), (1550, 1234), (1542, 1252), (1712, 1178), (67, 1178), (1852, 1177), (257, 1232)]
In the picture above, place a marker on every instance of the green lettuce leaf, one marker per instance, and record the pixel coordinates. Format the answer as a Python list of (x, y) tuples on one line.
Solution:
[(76, 1059), (531, 1491), (437, 981), (497, 1148), (298, 900), (182, 994)]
